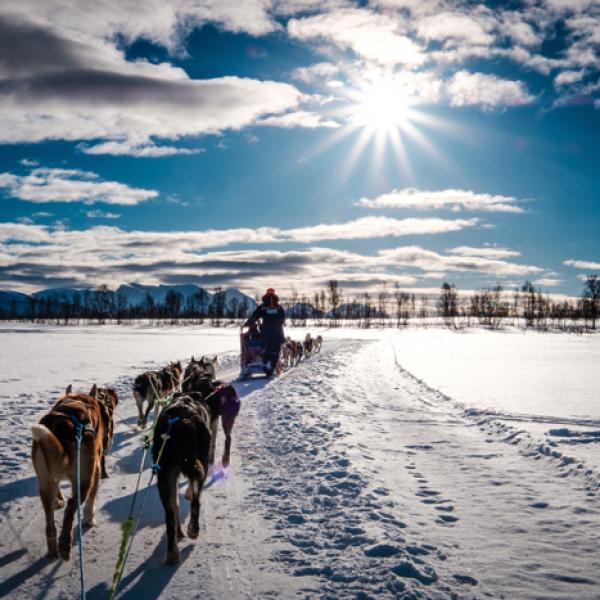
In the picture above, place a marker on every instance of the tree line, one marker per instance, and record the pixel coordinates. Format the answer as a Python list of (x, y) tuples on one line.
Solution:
[(103, 304), (492, 307)]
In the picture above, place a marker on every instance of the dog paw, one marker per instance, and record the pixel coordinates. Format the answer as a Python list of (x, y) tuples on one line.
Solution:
[(88, 523), (64, 551), (180, 535), (104, 475), (172, 557), (225, 461), (193, 532)]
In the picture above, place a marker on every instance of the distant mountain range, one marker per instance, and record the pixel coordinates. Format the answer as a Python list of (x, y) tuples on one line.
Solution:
[(135, 295)]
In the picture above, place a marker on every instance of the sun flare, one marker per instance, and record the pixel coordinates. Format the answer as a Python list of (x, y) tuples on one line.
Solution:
[(382, 106)]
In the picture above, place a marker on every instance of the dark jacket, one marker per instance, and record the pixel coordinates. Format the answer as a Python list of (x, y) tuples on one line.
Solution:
[(272, 317)]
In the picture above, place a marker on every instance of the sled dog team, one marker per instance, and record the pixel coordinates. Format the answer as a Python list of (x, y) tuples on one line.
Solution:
[(190, 420), (292, 351)]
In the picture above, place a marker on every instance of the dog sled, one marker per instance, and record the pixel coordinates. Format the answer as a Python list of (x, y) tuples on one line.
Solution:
[(252, 354)]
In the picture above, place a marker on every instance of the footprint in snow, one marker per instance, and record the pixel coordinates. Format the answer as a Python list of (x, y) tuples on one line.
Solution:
[(426, 575), (465, 579), (446, 519)]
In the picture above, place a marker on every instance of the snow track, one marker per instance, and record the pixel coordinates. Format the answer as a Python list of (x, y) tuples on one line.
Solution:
[(350, 478)]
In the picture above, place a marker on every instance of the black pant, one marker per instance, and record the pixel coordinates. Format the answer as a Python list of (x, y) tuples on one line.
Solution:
[(272, 350)]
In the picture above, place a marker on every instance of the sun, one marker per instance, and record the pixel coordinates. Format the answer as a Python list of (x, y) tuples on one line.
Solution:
[(385, 116), (383, 106)]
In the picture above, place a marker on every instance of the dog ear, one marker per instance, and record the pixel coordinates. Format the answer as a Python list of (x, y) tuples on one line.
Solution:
[(215, 361), (93, 391), (69, 389)]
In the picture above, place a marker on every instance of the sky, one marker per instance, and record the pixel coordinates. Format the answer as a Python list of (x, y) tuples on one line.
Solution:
[(284, 143)]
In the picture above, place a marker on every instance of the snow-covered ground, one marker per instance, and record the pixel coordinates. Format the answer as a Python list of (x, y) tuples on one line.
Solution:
[(415, 464)]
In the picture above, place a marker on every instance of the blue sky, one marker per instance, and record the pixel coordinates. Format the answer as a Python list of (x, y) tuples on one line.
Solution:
[(286, 143)]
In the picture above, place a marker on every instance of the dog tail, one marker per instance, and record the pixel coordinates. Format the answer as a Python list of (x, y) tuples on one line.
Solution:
[(52, 450)]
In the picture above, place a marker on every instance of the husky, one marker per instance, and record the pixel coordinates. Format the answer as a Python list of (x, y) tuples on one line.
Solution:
[(146, 388), (318, 342), (107, 402), (298, 352), (152, 385), (222, 401), (54, 451), (206, 366), (308, 346), (287, 353), (186, 422), (170, 378)]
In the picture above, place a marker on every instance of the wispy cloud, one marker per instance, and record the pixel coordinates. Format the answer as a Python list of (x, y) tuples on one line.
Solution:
[(547, 281), (428, 260), (369, 34), (322, 71), (300, 118), (487, 91), (144, 150), (100, 214), (34, 256), (71, 185), (486, 252), (587, 265), (451, 199)]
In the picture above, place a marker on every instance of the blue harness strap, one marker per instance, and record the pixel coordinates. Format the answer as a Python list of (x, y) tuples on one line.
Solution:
[(170, 423), (79, 427)]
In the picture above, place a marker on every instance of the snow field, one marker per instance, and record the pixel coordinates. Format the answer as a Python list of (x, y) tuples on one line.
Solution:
[(352, 476)]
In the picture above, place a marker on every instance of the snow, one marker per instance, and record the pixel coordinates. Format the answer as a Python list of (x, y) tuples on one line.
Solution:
[(411, 464)]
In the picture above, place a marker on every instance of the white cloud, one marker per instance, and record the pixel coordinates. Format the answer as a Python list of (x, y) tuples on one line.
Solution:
[(487, 91), (370, 35), (587, 265), (375, 227), (486, 252), (71, 185), (300, 118), (568, 77), (36, 256), (547, 281), (314, 73), (100, 214), (28, 163), (164, 22), (451, 199), (108, 239), (430, 261), (472, 28), (82, 88), (24, 233), (128, 148)]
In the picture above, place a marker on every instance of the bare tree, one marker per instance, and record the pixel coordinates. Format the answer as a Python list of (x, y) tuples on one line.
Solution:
[(201, 299), (173, 303), (382, 298), (218, 305), (334, 300), (103, 299), (591, 298), (367, 311), (448, 303), (149, 306), (529, 303)]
